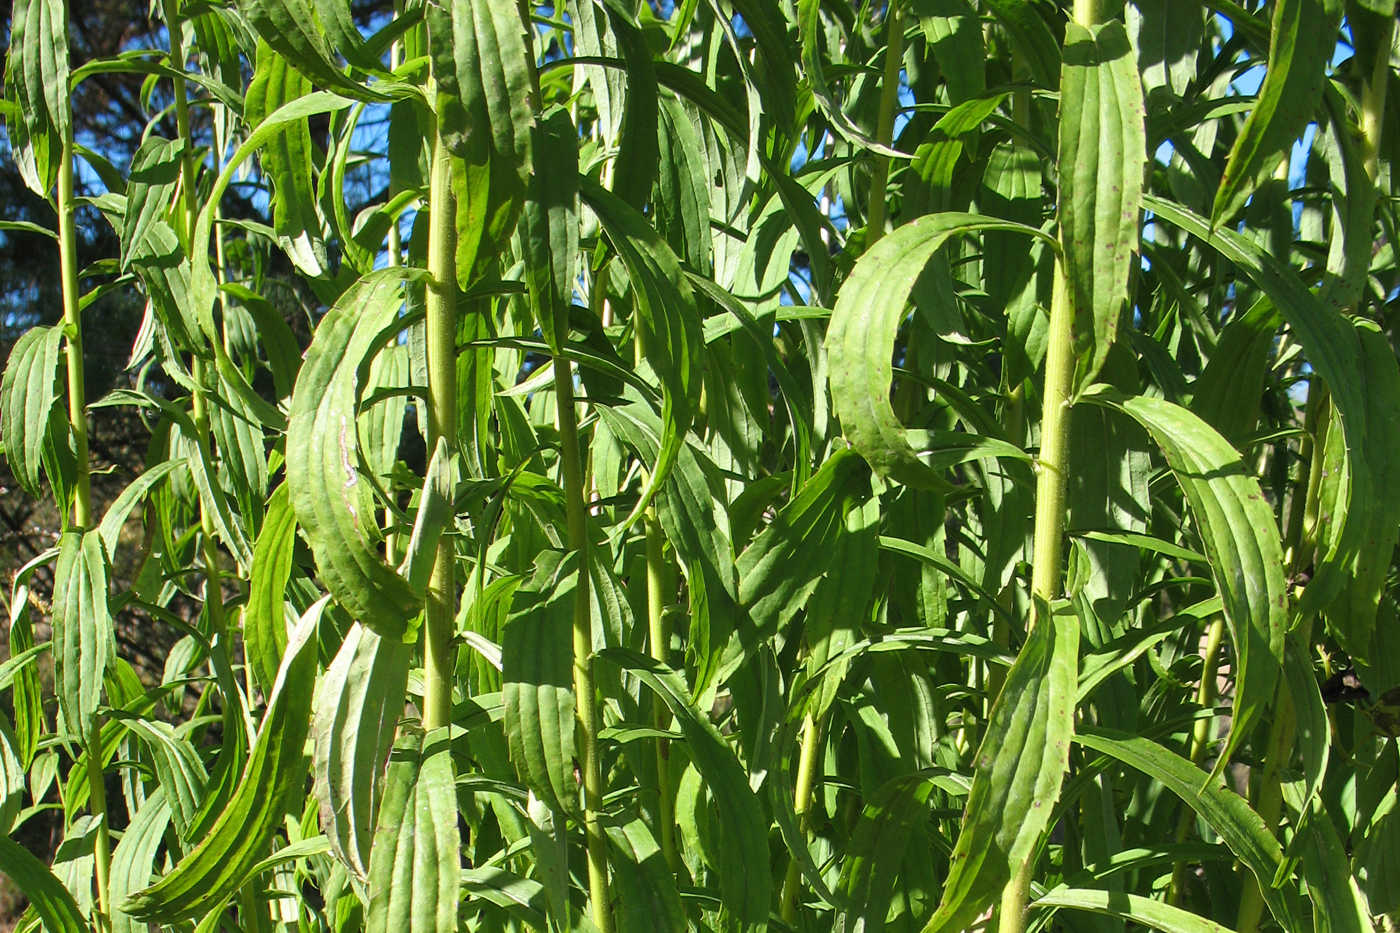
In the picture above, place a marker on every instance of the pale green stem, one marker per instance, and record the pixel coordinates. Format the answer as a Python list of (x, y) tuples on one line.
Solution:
[(82, 494), (575, 494), (884, 127), (802, 803), (441, 308), (1200, 741), (1051, 473), (659, 639)]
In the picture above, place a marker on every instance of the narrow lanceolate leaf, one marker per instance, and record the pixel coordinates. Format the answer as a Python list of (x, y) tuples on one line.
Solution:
[(1133, 908), (870, 866), (36, 80), (1240, 538), (295, 31), (333, 502), (1017, 773), (1302, 41), (668, 319), (50, 899), (272, 781), (264, 616), (358, 705), (1102, 158), (415, 868), (745, 883), (811, 29), (83, 639), (549, 226), (433, 518), (481, 59), (860, 341), (1225, 811), (536, 682), (26, 400), (1338, 905)]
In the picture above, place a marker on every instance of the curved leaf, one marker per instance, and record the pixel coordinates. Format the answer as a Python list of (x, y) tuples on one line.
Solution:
[(1240, 538), (1302, 41), (860, 340), (1131, 907), (333, 501)]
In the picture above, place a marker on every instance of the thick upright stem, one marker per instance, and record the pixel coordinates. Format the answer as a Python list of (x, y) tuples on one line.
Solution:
[(575, 495), (884, 127), (441, 310)]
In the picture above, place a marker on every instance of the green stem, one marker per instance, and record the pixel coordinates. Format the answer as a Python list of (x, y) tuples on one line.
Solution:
[(82, 497), (802, 804), (1200, 742), (884, 127), (575, 495), (659, 639), (441, 307)]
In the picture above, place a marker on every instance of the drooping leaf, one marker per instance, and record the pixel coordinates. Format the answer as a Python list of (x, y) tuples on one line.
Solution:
[(1237, 530), (549, 226), (264, 615), (84, 643), (746, 884), (49, 898), (537, 656), (333, 502), (1131, 907), (1225, 811), (860, 341)]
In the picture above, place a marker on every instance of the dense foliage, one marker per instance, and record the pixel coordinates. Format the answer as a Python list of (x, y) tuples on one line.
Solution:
[(802, 465)]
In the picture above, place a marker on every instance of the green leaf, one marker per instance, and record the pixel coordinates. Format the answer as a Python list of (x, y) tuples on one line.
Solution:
[(358, 705), (745, 883), (482, 59), (810, 29), (84, 642), (150, 189), (644, 887), (286, 158), (415, 866), (1225, 811), (1240, 538), (549, 226), (27, 399), (1102, 158), (955, 36), (36, 81), (49, 898), (667, 320), (537, 659), (860, 340), (1302, 41), (870, 864), (134, 859), (298, 35), (1032, 38), (333, 501), (1020, 764), (264, 616), (1131, 907), (272, 782)]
